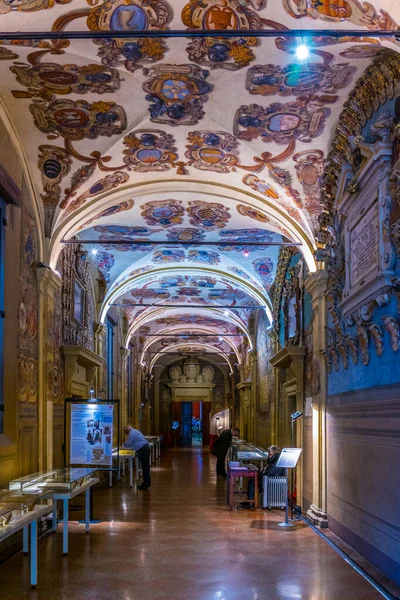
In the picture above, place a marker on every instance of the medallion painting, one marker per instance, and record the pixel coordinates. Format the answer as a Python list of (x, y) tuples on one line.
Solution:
[(212, 151), (362, 14), (303, 120), (163, 212), (176, 93), (76, 120), (210, 215), (149, 150), (211, 15), (296, 80), (45, 80), (131, 15)]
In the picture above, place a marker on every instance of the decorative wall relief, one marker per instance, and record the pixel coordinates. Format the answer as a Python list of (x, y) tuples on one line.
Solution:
[(351, 344), (28, 313), (176, 93), (377, 336), (392, 327), (149, 150), (362, 334), (75, 297), (212, 151)]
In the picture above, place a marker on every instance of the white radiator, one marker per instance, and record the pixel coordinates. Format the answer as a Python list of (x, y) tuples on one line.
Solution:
[(274, 492)]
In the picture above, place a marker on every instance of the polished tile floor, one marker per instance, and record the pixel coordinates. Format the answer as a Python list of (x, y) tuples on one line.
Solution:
[(178, 541)]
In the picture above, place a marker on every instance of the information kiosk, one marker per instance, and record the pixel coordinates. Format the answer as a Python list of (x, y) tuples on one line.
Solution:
[(288, 460)]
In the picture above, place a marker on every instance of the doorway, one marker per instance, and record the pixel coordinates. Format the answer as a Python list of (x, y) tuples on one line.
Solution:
[(193, 419)]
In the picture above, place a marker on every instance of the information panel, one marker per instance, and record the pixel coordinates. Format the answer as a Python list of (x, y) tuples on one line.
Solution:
[(91, 433), (289, 457)]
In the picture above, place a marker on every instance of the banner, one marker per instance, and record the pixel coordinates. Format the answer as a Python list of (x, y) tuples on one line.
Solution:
[(91, 439)]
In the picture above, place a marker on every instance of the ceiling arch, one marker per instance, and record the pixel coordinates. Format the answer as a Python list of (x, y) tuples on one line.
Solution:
[(183, 348)]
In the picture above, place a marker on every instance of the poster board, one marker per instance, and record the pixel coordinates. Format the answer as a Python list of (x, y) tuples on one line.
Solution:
[(91, 431), (289, 458)]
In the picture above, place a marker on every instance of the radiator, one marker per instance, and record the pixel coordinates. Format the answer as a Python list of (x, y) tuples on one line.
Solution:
[(274, 492)]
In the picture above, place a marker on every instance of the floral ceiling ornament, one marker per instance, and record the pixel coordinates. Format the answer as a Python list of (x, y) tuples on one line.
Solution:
[(54, 164), (261, 186), (168, 256), (302, 120), (176, 93), (29, 5), (76, 120), (210, 215), (109, 182), (204, 256), (310, 167), (6, 54), (359, 13), (264, 267), (163, 212), (252, 213), (111, 210), (130, 15), (185, 234), (149, 150), (104, 262), (232, 236), (45, 80), (296, 79), (212, 151)]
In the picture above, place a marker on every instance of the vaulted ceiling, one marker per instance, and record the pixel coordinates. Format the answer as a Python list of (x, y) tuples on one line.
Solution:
[(201, 151)]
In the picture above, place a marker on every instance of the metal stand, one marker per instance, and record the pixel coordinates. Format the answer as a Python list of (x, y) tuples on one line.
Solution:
[(89, 505), (286, 521)]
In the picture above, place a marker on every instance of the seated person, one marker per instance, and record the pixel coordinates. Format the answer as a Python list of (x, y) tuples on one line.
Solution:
[(270, 470)]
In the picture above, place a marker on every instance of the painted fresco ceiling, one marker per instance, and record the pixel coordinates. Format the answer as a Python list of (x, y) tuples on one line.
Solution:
[(185, 146)]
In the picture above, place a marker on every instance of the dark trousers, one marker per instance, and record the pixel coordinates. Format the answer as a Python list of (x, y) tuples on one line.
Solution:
[(143, 455), (221, 465)]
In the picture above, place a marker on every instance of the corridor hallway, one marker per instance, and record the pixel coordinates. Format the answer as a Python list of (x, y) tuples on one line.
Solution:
[(179, 541)]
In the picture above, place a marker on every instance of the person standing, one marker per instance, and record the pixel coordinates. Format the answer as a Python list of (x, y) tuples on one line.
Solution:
[(220, 448), (136, 441)]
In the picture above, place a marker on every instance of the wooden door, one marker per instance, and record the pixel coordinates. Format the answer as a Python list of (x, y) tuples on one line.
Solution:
[(186, 424), (206, 423)]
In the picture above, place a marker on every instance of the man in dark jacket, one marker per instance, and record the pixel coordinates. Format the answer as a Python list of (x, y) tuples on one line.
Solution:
[(220, 448)]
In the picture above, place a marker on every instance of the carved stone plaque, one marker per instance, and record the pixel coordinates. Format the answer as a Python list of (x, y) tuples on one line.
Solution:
[(364, 245)]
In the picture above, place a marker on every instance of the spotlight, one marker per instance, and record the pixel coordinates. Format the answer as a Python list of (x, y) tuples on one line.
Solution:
[(246, 253), (302, 52), (220, 339), (226, 312), (94, 251)]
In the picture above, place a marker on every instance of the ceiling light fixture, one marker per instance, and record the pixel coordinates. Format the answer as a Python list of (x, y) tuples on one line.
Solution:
[(94, 251), (302, 51), (246, 253)]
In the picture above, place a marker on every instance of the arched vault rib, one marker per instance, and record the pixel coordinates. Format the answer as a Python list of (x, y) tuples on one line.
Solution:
[(156, 313), (179, 330), (183, 345), (71, 225), (123, 285)]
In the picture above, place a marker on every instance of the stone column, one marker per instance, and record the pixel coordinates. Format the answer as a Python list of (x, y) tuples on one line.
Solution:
[(125, 355), (316, 285), (49, 285), (100, 349)]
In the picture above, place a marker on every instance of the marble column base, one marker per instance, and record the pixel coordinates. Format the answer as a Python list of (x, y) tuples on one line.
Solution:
[(317, 516)]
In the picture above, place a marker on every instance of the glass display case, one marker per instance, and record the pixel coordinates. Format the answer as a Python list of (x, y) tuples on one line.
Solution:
[(247, 452), (67, 480), (29, 500), (9, 511)]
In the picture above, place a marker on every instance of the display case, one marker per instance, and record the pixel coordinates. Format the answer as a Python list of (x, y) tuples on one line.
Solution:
[(29, 499), (10, 511), (68, 480), (248, 452)]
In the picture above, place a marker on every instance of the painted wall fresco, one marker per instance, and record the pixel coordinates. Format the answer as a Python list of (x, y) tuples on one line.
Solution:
[(265, 380), (28, 313)]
